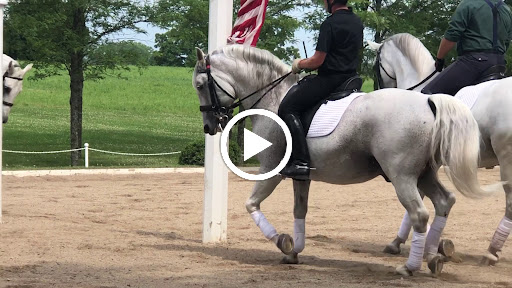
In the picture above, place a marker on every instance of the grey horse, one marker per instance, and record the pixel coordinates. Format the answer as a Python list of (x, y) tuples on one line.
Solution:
[(13, 83), (405, 62), (390, 132)]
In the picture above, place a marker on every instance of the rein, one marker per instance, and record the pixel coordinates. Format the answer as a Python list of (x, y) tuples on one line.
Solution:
[(8, 104), (378, 66), (223, 110)]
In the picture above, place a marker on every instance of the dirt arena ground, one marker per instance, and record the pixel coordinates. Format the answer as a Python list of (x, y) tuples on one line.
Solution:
[(145, 231)]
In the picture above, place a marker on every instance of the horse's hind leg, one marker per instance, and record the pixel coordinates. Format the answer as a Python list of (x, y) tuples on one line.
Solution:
[(300, 209), (261, 190), (402, 235), (505, 226), (443, 202), (410, 198)]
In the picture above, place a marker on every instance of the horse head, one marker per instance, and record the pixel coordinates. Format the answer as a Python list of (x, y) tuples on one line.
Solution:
[(383, 71), (402, 62), (215, 91), (13, 83)]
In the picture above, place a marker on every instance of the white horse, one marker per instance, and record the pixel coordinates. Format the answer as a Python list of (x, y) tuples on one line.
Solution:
[(13, 83), (390, 132), (405, 62)]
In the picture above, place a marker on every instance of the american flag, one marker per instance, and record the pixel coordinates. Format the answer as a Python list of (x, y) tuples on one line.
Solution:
[(249, 21)]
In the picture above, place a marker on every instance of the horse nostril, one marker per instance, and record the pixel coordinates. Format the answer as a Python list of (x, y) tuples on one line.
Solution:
[(206, 128)]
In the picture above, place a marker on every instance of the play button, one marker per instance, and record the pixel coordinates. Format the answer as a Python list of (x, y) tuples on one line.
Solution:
[(254, 144)]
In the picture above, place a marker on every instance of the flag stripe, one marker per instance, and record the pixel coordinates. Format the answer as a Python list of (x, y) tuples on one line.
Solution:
[(250, 18)]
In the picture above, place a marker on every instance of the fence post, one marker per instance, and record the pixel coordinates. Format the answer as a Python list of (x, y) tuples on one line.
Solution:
[(86, 150), (3, 3), (215, 209)]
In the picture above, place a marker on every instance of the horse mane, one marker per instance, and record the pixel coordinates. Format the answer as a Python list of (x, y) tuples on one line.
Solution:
[(267, 63), (412, 48)]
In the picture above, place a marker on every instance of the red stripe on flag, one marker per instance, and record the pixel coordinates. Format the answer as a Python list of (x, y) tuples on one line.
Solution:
[(249, 21)]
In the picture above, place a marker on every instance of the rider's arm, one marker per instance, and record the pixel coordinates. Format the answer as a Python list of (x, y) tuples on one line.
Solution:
[(313, 62), (456, 28), (445, 47)]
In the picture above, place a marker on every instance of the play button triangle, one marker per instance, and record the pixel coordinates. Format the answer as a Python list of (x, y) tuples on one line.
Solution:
[(253, 144)]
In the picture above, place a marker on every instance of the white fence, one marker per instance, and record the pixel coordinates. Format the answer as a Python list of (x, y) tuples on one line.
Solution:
[(86, 152)]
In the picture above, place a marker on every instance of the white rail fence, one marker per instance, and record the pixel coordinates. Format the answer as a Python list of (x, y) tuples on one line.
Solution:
[(86, 152)]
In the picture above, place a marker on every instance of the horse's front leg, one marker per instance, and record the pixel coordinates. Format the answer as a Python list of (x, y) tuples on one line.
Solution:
[(260, 192), (300, 208)]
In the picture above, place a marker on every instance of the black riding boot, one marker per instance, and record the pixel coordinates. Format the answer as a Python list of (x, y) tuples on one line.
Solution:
[(298, 166)]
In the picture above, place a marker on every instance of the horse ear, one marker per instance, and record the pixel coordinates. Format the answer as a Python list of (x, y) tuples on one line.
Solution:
[(200, 54), (373, 45), (10, 69), (27, 68)]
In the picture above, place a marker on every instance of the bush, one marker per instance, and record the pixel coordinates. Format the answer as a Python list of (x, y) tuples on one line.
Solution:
[(193, 154)]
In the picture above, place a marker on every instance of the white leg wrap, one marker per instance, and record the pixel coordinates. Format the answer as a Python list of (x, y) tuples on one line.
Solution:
[(434, 235), (268, 230), (416, 254), (299, 235), (405, 227), (501, 234)]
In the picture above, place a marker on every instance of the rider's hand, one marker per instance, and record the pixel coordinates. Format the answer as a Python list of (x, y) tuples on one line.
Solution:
[(439, 64), (295, 66)]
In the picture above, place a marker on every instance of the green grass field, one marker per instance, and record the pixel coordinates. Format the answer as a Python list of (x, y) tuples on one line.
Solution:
[(155, 111)]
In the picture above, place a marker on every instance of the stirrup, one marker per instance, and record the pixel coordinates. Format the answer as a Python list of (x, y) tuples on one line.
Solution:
[(299, 172)]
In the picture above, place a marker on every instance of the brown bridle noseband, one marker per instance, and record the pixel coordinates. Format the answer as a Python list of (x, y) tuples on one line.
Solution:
[(8, 104)]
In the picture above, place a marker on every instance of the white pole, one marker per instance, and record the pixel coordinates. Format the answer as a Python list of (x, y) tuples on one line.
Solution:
[(215, 171), (3, 3), (86, 149)]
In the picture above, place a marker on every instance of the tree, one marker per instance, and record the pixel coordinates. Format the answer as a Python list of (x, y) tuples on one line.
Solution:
[(187, 21), (383, 18), (123, 53), (61, 34)]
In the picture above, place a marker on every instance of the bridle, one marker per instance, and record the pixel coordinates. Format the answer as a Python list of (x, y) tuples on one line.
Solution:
[(378, 66), (223, 112), (8, 104)]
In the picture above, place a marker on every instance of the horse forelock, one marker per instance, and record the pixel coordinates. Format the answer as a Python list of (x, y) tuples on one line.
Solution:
[(412, 48)]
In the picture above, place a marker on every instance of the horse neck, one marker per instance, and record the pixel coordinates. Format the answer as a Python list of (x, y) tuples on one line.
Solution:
[(410, 72), (248, 78)]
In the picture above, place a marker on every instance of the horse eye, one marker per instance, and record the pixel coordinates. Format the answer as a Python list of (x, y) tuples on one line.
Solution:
[(7, 89), (200, 86)]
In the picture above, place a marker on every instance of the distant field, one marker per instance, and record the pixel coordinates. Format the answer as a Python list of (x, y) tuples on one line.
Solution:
[(155, 111)]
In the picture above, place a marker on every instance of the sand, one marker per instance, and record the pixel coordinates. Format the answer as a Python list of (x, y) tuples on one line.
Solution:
[(145, 231)]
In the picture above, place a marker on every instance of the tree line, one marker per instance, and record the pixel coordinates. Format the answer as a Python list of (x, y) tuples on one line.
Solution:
[(78, 36)]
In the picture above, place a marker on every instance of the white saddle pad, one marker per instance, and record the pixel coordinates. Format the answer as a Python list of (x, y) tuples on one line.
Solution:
[(329, 115), (469, 94)]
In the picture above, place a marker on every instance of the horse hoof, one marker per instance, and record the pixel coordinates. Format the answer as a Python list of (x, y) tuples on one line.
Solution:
[(403, 270), (285, 243), (392, 249), (435, 264), (489, 259), (446, 248), (290, 259)]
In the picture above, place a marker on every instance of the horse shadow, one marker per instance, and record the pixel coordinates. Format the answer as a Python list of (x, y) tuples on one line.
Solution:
[(314, 264)]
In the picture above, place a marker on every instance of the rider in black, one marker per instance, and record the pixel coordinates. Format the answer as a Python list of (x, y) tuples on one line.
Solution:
[(482, 30), (336, 58)]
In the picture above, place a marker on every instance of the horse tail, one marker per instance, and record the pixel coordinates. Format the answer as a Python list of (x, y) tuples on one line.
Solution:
[(456, 144)]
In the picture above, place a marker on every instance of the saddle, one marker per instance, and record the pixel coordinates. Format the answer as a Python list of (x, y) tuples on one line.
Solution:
[(348, 87), (493, 73)]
